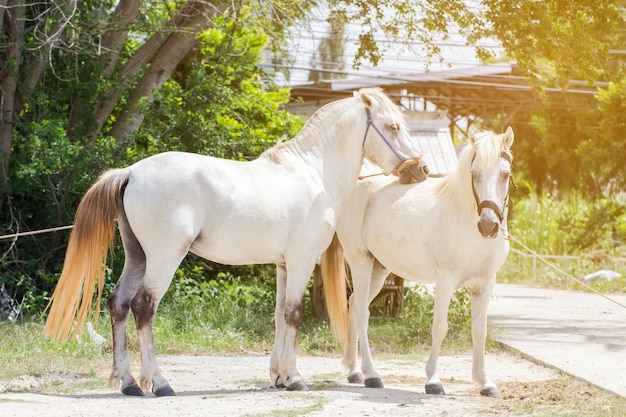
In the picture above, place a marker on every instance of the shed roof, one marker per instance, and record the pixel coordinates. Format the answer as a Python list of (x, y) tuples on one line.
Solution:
[(432, 133)]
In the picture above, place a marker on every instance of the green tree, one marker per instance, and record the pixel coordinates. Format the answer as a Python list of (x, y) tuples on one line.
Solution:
[(604, 144)]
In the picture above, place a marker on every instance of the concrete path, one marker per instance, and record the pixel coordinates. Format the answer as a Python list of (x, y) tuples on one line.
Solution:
[(579, 333)]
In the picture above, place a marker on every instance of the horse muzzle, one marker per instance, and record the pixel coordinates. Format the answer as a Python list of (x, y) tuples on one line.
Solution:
[(488, 228), (412, 171)]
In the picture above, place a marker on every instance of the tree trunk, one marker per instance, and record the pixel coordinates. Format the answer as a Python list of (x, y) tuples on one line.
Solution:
[(187, 21), (176, 47), (109, 49), (37, 62), (118, 28), (3, 4), (12, 29)]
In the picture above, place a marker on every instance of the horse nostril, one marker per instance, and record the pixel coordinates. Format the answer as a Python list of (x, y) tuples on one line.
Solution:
[(487, 229)]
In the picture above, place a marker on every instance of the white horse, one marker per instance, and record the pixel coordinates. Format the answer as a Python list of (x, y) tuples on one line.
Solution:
[(280, 208), (423, 232)]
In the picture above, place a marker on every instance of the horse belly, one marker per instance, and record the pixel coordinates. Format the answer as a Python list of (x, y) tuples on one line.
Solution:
[(240, 244)]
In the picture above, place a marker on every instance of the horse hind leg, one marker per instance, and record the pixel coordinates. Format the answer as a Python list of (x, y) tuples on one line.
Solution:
[(377, 281), (119, 308), (161, 265), (144, 306), (279, 322), (368, 277)]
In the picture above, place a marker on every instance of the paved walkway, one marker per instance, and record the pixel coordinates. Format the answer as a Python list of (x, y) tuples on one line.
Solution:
[(579, 333)]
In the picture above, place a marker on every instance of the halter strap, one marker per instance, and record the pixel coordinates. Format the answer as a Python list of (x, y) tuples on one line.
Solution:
[(370, 123), (490, 204)]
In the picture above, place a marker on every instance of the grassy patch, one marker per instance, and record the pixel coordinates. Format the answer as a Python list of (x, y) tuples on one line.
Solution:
[(24, 351)]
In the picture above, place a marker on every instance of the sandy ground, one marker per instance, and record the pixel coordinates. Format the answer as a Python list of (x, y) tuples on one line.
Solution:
[(239, 386)]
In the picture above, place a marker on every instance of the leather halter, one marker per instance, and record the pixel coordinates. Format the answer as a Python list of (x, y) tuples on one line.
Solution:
[(490, 204), (403, 161)]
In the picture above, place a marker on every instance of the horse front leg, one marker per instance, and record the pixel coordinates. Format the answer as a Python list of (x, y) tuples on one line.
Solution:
[(144, 306), (480, 302), (438, 331), (296, 283)]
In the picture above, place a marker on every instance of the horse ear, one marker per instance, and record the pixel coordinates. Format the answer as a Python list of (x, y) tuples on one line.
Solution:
[(471, 135), (366, 99), (509, 137)]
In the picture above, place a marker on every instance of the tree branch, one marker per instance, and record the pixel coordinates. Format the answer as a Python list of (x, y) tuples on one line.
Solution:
[(173, 51), (188, 21), (118, 29)]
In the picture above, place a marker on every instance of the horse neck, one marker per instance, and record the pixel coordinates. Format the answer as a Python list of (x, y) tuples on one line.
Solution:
[(456, 187), (330, 145)]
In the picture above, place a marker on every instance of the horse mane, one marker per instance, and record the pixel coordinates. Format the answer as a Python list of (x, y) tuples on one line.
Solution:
[(316, 125), (485, 152), (309, 132)]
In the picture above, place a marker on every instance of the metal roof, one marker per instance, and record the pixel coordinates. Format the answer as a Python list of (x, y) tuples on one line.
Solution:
[(485, 91), (432, 133)]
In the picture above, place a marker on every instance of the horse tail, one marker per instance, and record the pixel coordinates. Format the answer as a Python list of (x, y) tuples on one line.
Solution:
[(334, 282), (85, 257)]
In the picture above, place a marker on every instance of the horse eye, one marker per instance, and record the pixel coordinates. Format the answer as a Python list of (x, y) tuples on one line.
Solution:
[(395, 127)]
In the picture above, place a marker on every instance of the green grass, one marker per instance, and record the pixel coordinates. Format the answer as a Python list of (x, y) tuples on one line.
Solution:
[(592, 232)]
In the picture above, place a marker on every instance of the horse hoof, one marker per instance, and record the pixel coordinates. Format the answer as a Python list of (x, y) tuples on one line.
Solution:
[(435, 389), (491, 392), (356, 378), (374, 383), (278, 382), (164, 391), (133, 390), (297, 386)]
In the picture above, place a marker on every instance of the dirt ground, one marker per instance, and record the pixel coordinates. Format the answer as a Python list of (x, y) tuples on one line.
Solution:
[(239, 386)]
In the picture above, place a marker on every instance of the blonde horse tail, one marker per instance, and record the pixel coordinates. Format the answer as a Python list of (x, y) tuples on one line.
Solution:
[(334, 282), (85, 257)]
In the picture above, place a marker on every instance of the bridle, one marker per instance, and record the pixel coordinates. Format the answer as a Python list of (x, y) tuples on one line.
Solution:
[(403, 161), (490, 204)]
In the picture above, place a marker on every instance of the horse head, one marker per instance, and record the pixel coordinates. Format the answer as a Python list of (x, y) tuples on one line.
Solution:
[(491, 176), (393, 150)]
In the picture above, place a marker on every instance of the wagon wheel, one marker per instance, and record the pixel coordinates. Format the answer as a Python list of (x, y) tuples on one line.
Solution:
[(391, 296), (397, 298)]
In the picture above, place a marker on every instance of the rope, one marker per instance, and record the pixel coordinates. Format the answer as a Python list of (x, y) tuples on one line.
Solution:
[(362, 177), (556, 268), (35, 232)]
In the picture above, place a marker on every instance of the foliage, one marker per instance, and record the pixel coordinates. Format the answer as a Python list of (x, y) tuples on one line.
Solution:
[(568, 224), (605, 139), (49, 172), (583, 236), (544, 37), (219, 102)]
